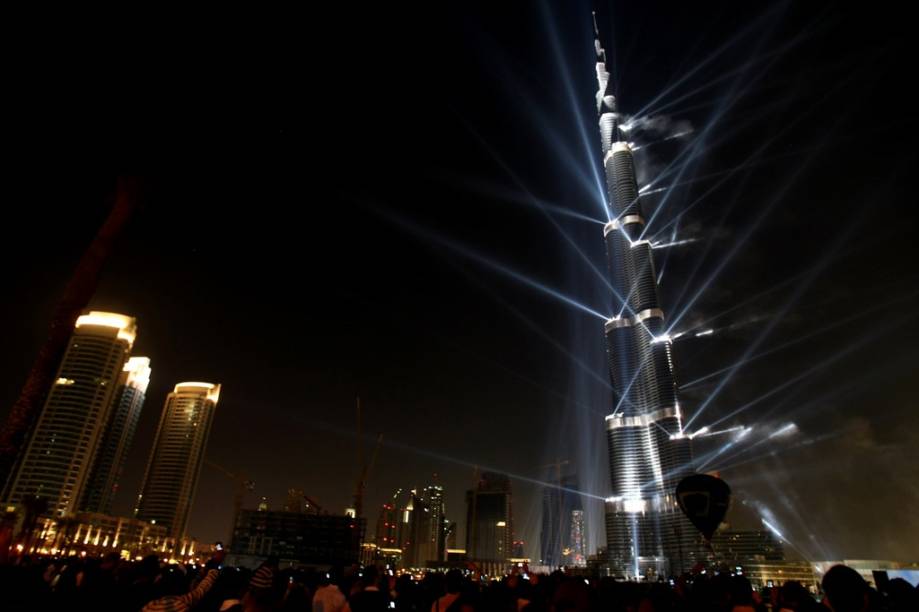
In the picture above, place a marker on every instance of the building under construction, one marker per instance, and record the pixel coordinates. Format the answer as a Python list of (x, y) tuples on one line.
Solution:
[(296, 538)]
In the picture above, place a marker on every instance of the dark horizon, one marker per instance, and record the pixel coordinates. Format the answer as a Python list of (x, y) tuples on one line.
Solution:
[(315, 216)]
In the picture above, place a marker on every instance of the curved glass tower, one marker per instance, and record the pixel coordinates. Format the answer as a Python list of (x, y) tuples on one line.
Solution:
[(646, 534)]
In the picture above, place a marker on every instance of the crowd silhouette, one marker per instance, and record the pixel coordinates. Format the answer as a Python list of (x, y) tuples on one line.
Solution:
[(149, 585)]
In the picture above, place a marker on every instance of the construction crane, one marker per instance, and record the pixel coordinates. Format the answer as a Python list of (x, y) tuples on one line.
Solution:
[(364, 468), (243, 484)]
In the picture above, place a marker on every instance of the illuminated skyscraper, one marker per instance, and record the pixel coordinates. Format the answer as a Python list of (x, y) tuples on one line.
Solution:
[(577, 540), (175, 462), (117, 437), (58, 458), (434, 497), (648, 453)]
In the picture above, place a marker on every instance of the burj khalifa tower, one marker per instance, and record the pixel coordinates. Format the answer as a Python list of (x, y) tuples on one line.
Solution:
[(646, 533)]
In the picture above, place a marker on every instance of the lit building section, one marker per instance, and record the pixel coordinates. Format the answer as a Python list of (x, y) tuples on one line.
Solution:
[(117, 437), (646, 534), (58, 458), (175, 462)]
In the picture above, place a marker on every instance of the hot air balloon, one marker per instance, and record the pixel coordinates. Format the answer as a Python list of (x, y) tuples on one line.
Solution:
[(704, 500)]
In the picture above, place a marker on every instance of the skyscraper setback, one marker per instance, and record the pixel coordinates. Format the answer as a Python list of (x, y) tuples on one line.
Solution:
[(177, 456), (648, 453), (59, 456)]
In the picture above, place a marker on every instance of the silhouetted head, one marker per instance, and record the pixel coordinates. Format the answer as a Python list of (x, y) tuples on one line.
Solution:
[(172, 581), (454, 579), (902, 595), (845, 589), (792, 595), (741, 591)]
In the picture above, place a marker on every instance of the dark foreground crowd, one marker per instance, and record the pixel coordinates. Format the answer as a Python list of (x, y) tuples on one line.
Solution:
[(113, 585)]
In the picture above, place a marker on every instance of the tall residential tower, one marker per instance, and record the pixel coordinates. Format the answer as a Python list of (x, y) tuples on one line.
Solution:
[(58, 458), (117, 437), (177, 456), (648, 454)]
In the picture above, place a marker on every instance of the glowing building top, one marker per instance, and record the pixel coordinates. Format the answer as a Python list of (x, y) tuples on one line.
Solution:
[(126, 326), (175, 462)]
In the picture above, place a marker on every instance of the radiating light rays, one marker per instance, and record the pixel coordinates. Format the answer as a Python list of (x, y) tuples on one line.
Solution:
[(666, 139), (734, 94), (515, 196), (740, 36), (539, 331), (704, 432), (556, 141), (782, 431), (818, 367), (827, 256), (774, 54), (389, 442), (802, 338), (764, 213), (468, 253), (588, 140), (571, 242), (786, 186), (695, 150), (667, 245)]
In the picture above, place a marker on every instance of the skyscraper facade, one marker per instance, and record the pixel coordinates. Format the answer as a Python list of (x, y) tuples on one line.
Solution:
[(387, 524), (420, 548), (58, 458), (577, 540), (434, 497), (117, 437), (489, 523), (558, 503), (178, 453), (648, 454)]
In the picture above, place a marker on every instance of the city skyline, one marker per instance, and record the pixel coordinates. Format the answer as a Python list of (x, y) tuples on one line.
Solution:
[(363, 237)]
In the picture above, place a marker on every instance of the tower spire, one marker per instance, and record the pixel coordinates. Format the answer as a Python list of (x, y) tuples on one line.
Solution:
[(601, 53)]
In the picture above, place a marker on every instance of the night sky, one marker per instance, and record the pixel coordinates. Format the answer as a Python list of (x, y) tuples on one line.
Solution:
[(322, 193)]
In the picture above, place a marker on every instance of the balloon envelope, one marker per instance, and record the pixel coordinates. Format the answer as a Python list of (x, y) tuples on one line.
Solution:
[(704, 500)]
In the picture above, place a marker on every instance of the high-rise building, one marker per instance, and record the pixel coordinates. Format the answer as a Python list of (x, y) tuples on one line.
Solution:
[(387, 530), (296, 537), (434, 498), (117, 437), (421, 548), (577, 540), (489, 523), (558, 503), (58, 458), (177, 456), (648, 454)]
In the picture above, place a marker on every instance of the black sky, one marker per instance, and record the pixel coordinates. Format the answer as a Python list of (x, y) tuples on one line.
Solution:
[(284, 154)]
